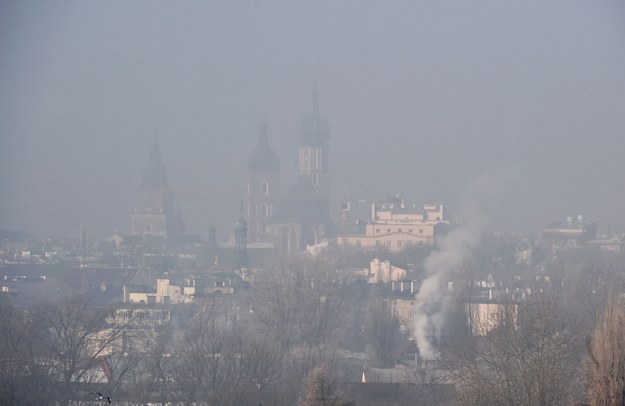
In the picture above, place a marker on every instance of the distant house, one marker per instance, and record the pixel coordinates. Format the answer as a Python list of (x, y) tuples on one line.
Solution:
[(384, 272), (165, 293)]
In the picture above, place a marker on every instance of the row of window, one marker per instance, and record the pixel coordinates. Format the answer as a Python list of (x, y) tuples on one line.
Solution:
[(399, 230), (399, 243)]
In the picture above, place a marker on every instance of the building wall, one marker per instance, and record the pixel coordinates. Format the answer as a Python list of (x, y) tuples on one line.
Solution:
[(484, 317), (397, 227), (404, 310), (394, 241), (384, 272), (263, 190), (165, 294)]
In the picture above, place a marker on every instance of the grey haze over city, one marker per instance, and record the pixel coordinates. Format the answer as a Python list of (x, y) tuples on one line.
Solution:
[(423, 98)]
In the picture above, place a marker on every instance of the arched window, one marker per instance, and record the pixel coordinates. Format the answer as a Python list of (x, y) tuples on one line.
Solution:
[(264, 210), (264, 188)]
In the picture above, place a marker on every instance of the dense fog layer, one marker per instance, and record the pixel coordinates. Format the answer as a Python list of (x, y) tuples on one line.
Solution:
[(422, 98)]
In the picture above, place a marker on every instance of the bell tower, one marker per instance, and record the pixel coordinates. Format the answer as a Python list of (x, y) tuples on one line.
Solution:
[(263, 188), (153, 213), (313, 150)]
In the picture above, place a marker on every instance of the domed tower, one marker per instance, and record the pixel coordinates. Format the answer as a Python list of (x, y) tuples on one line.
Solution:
[(263, 188)]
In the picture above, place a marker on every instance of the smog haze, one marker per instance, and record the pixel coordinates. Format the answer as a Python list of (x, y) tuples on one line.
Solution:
[(422, 99)]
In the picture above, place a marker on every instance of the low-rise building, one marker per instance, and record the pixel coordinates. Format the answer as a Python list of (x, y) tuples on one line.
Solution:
[(384, 272), (166, 293), (573, 233)]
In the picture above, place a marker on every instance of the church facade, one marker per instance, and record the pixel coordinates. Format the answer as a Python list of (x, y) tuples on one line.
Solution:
[(299, 217)]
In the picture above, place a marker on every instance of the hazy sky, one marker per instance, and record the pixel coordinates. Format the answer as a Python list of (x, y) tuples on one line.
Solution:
[(423, 98)]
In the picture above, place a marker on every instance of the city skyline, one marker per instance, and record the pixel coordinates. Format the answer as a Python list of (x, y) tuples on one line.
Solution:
[(422, 99)]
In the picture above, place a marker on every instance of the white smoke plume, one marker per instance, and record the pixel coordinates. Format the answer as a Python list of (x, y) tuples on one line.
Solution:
[(433, 301)]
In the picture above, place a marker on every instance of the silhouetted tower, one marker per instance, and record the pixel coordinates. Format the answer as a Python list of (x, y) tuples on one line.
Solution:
[(263, 188), (240, 236), (154, 210), (212, 247), (313, 150)]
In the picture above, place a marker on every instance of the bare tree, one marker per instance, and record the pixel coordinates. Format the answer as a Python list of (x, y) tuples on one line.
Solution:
[(606, 351), (76, 339), (300, 300), (218, 363), (321, 389), (23, 380), (529, 358), (381, 330)]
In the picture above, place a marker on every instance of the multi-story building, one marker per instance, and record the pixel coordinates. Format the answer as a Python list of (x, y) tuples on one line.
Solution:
[(396, 226)]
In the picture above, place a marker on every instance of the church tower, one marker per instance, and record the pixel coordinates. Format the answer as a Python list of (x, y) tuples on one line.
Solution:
[(313, 150), (153, 212), (240, 238), (263, 188)]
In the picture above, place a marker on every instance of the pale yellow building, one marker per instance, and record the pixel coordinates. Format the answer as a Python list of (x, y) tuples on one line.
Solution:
[(396, 226), (166, 293), (384, 272)]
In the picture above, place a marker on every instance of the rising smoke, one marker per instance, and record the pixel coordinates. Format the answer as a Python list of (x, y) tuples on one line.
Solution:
[(433, 302), (434, 299)]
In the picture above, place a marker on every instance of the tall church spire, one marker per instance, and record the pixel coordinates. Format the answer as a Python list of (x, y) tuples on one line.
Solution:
[(315, 94), (263, 159), (155, 172), (313, 150)]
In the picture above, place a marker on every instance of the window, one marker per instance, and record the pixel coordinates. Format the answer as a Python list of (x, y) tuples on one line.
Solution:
[(399, 230), (420, 231), (388, 243), (410, 230), (264, 188), (399, 243)]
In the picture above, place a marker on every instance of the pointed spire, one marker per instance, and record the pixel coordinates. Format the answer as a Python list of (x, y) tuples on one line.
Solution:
[(155, 150), (315, 94), (314, 129), (263, 159), (263, 133), (154, 173)]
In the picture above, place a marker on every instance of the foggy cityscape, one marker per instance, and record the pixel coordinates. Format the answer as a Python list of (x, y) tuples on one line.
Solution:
[(312, 203)]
